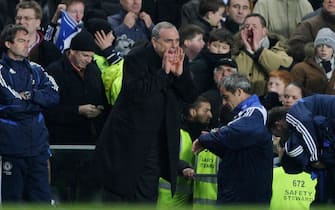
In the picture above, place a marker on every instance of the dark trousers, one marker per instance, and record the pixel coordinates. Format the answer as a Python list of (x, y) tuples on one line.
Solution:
[(73, 176), (146, 190), (25, 179), (147, 186), (325, 188)]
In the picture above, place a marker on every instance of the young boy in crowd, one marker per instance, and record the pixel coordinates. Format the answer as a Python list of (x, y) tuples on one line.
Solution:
[(191, 40), (315, 73), (210, 15), (219, 45)]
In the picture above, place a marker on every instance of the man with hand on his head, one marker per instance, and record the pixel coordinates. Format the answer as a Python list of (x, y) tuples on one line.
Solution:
[(107, 58)]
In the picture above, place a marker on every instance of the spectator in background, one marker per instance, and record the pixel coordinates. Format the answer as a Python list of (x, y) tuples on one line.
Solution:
[(29, 14), (283, 16), (191, 40), (243, 145), (131, 24), (75, 8), (195, 118), (307, 30), (206, 165), (237, 10), (107, 59), (221, 111), (78, 119), (25, 91), (143, 127), (66, 23), (292, 93), (315, 73), (80, 115), (48, 8), (259, 52), (278, 80), (219, 45), (210, 16)]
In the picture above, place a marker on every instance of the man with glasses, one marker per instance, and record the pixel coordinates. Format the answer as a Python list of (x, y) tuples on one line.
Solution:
[(29, 14)]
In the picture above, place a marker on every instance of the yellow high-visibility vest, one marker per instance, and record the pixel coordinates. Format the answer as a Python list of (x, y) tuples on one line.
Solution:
[(205, 183), (111, 75), (184, 187), (292, 191)]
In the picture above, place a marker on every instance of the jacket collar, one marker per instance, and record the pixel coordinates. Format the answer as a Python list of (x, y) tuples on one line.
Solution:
[(251, 101), (327, 16), (12, 63), (155, 60)]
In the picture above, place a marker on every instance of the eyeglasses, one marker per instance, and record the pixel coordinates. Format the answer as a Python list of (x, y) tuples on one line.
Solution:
[(25, 18)]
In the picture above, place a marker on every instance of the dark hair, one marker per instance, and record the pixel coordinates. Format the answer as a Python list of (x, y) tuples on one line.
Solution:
[(195, 105), (188, 32), (275, 114), (250, 3), (259, 16), (200, 99), (235, 81), (9, 33), (206, 6), (221, 35), (299, 85), (31, 5)]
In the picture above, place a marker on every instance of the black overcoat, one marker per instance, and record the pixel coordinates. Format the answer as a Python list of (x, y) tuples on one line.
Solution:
[(146, 110), (65, 124)]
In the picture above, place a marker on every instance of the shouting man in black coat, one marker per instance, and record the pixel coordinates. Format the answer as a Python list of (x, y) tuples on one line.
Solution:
[(140, 140)]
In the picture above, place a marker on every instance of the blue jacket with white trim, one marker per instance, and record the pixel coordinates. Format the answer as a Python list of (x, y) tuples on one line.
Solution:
[(305, 145), (22, 128), (245, 147)]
